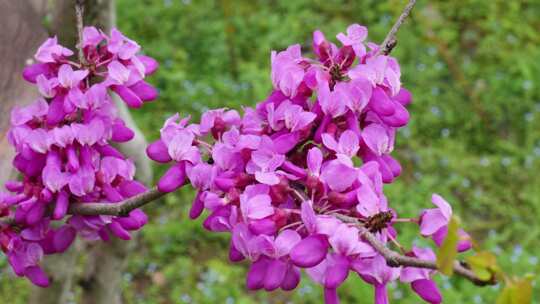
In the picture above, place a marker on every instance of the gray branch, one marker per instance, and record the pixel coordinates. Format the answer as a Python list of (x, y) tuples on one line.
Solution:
[(390, 41), (119, 209), (122, 208), (394, 259), (79, 13)]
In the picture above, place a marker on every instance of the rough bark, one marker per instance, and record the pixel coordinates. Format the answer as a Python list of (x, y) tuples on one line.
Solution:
[(21, 34)]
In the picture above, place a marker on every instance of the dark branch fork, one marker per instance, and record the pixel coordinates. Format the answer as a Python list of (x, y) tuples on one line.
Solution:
[(393, 258)]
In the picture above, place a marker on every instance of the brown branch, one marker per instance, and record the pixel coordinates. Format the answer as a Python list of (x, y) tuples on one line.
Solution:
[(119, 209), (79, 13), (122, 208), (394, 259), (390, 41)]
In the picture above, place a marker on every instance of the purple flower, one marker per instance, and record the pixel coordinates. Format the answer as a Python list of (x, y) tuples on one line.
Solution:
[(322, 47), (91, 36), (296, 118), (149, 63), (348, 143), (181, 147), (346, 241), (331, 272), (24, 258), (377, 139), (227, 158), (264, 163), (120, 132), (46, 86), (314, 161), (174, 178), (201, 176), (64, 154), (82, 182), (334, 269), (287, 73), (375, 272), (283, 244), (288, 115), (217, 120), (112, 167), (310, 251), (434, 219), (420, 278), (280, 272), (31, 72), (177, 139), (90, 133), (69, 78), (338, 174), (277, 177), (434, 223), (171, 127), (333, 102), (371, 199), (118, 73), (50, 51), (54, 178), (359, 92), (356, 34), (270, 268), (122, 46), (255, 203), (246, 242), (158, 151), (37, 140), (22, 115), (380, 70)]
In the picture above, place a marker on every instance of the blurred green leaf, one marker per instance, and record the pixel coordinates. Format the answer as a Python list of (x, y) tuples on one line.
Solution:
[(517, 291), (446, 255), (484, 264)]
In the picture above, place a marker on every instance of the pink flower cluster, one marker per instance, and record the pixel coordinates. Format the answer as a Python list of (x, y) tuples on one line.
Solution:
[(325, 132), (281, 178), (64, 152)]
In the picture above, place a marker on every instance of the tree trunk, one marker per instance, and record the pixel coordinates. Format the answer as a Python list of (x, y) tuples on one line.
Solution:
[(21, 34), (23, 31)]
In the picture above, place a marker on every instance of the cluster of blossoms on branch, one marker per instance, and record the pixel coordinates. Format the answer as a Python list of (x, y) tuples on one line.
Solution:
[(64, 152), (280, 179), (318, 148)]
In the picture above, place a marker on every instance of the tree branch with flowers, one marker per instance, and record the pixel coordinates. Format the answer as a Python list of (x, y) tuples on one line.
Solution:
[(283, 179)]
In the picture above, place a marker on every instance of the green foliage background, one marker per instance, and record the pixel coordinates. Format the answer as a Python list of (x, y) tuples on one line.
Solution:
[(473, 67)]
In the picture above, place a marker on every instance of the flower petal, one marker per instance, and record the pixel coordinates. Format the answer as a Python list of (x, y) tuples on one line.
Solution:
[(310, 251), (427, 290)]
